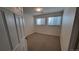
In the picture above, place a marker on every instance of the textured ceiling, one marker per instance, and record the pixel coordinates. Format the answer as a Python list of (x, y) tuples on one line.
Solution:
[(31, 10)]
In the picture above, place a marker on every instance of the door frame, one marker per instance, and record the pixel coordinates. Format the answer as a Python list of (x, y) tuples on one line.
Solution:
[(74, 34)]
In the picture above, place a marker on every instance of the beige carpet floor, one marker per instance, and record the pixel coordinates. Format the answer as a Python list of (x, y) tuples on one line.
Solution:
[(43, 42)]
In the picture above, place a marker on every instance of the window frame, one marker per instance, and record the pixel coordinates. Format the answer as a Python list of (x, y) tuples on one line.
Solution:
[(40, 24), (46, 18), (53, 25)]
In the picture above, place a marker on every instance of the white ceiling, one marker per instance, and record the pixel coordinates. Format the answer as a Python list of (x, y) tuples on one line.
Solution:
[(31, 10)]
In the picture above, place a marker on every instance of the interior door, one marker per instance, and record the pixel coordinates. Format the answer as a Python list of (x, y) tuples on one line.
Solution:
[(4, 39), (22, 39), (12, 27), (20, 30), (18, 26)]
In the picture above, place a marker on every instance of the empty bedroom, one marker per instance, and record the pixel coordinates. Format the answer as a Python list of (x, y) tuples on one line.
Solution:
[(43, 28)]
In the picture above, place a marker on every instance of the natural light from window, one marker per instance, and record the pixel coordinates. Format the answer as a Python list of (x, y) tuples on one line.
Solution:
[(54, 20), (40, 21)]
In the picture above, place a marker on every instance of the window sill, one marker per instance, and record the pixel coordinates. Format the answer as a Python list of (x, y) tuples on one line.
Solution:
[(50, 25)]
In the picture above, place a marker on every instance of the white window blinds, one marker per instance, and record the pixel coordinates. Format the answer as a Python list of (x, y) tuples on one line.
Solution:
[(40, 21), (49, 19), (54, 20)]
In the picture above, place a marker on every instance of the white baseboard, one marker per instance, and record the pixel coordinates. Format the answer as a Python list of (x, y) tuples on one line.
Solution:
[(47, 34)]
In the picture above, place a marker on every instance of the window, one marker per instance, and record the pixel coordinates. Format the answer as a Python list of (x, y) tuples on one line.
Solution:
[(54, 20), (40, 21), (51, 19)]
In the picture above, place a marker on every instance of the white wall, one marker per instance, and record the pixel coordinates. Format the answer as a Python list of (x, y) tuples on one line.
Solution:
[(68, 19), (28, 23), (50, 30), (30, 28)]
